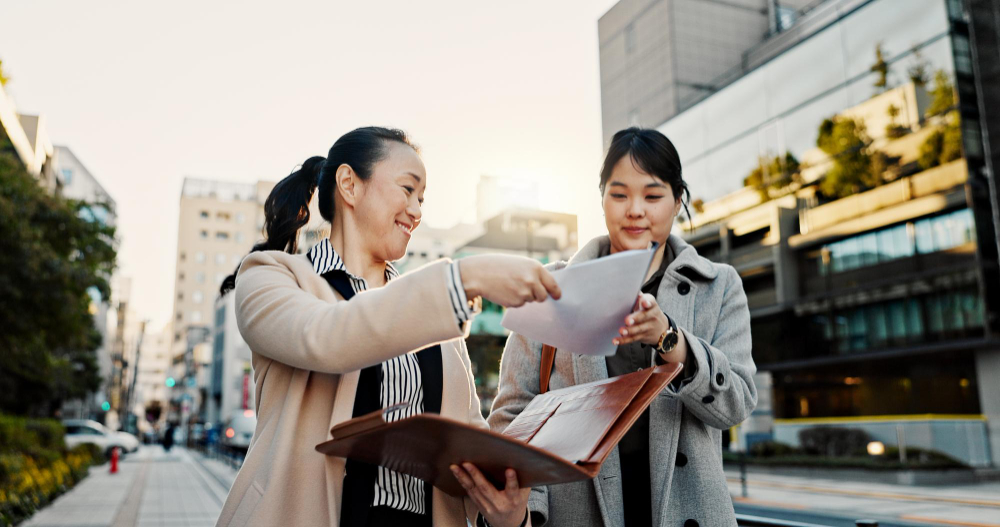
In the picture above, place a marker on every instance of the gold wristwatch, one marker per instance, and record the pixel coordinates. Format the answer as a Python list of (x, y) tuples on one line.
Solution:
[(669, 339)]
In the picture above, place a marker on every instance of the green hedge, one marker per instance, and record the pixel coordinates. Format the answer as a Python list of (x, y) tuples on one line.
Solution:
[(36, 467)]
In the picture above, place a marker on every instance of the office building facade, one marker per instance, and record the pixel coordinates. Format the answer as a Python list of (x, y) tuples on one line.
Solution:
[(845, 169)]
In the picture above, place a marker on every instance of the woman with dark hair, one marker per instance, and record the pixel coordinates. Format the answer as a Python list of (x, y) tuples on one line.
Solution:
[(335, 334), (667, 469)]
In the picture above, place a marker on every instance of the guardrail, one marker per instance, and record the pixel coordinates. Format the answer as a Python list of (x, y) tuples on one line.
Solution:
[(746, 520)]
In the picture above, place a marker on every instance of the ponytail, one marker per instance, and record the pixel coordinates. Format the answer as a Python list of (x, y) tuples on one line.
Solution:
[(287, 207), (285, 212)]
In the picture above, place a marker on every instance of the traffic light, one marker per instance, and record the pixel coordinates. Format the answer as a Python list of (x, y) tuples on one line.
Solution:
[(170, 382)]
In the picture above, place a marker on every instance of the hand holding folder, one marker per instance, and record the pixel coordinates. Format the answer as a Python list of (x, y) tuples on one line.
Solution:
[(561, 436)]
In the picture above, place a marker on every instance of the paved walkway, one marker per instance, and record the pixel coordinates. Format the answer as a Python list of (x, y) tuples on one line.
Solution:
[(152, 488), (972, 505), (183, 488)]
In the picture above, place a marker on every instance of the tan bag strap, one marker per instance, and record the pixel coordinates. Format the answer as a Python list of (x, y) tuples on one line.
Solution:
[(548, 358)]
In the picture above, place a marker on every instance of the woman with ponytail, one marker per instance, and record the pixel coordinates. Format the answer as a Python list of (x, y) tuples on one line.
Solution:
[(337, 333)]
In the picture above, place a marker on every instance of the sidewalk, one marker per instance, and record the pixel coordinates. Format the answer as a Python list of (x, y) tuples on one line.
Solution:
[(973, 505), (152, 489)]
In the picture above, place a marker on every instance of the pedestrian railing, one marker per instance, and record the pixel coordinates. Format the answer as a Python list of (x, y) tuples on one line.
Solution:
[(746, 520)]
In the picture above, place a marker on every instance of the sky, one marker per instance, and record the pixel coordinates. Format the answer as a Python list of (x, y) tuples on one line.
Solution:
[(146, 93)]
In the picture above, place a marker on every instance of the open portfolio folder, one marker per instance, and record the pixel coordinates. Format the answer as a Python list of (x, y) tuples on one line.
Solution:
[(561, 436)]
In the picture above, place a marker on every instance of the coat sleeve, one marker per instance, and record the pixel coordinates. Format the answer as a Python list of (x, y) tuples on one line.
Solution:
[(722, 392), (281, 321), (519, 382)]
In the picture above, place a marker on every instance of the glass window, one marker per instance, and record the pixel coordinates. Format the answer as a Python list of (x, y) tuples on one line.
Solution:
[(223, 216), (199, 257), (199, 277), (238, 237), (204, 214), (203, 235), (240, 217), (220, 259), (222, 236), (896, 320), (859, 329), (67, 175), (878, 330), (935, 314), (197, 297), (843, 333), (915, 319), (924, 236), (869, 250), (195, 316)]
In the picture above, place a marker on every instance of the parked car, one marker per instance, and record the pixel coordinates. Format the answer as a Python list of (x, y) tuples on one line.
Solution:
[(238, 431), (80, 431)]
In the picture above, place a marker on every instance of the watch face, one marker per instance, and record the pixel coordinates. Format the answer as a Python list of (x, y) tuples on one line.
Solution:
[(670, 342)]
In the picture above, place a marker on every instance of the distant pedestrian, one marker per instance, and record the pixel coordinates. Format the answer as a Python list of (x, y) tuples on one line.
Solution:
[(168, 436), (667, 469)]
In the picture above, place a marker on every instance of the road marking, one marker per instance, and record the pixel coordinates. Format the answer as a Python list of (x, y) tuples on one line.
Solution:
[(939, 521), (128, 514), (868, 494)]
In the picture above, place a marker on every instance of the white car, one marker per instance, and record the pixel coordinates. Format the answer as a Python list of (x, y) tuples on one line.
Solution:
[(80, 431)]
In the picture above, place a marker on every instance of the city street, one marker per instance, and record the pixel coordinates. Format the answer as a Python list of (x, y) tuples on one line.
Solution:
[(184, 488)]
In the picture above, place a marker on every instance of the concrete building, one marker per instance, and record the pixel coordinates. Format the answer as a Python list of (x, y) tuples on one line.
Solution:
[(78, 183), (877, 307), (658, 57), (231, 387), (496, 194), (217, 226), (27, 138)]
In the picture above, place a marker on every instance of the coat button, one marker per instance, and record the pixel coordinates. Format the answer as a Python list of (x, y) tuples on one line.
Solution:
[(707, 399), (719, 379), (681, 459), (683, 288), (691, 523)]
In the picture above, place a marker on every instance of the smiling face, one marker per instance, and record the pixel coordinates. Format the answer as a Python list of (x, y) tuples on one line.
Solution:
[(638, 207), (388, 206)]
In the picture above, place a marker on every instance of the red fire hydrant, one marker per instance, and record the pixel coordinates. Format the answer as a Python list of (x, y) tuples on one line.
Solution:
[(114, 460)]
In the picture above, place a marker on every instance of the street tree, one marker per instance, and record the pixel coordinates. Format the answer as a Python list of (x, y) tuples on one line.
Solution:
[(56, 260)]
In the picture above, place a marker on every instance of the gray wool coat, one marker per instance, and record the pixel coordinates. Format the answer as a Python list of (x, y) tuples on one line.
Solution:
[(707, 302)]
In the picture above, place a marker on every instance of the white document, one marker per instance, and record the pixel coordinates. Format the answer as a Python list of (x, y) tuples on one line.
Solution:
[(596, 297)]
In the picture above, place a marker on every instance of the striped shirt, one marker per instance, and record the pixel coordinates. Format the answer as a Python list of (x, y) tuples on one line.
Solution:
[(401, 380)]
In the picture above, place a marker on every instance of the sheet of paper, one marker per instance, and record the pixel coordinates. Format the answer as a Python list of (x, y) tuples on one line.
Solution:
[(596, 297)]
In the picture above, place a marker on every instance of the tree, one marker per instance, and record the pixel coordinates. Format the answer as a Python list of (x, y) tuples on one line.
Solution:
[(52, 259), (943, 96), (943, 145), (918, 71), (773, 175), (893, 130), (880, 67), (856, 165)]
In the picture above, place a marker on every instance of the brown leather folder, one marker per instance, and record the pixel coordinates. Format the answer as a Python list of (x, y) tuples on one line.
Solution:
[(561, 436)]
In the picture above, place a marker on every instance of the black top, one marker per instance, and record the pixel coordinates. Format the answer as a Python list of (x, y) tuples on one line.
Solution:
[(633, 449)]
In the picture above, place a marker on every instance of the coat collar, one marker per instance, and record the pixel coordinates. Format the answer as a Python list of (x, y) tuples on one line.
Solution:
[(685, 256)]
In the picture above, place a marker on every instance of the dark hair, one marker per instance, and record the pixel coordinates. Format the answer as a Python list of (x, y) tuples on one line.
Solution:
[(287, 207), (652, 153)]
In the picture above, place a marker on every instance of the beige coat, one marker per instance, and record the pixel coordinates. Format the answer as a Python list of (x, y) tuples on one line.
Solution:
[(308, 348)]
